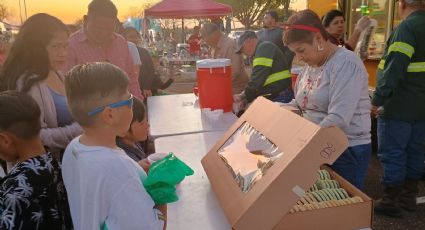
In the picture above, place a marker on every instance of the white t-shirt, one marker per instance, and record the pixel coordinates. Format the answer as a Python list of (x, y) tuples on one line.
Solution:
[(105, 186), (132, 48), (2, 172)]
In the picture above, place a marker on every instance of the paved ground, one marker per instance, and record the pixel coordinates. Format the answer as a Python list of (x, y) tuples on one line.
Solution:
[(411, 221)]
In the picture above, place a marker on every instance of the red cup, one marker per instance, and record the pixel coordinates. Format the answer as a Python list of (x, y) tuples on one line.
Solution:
[(195, 90), (293, 79)]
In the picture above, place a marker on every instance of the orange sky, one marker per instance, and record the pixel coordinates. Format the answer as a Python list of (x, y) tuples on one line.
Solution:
[(67, 10), (71, 10)]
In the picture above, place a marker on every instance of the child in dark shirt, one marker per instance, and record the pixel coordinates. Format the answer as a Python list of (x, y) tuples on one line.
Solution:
[(130, 140), (32, 194)]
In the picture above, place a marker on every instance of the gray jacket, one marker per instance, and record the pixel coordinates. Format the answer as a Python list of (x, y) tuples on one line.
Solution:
[(336, 94), (54, 137)]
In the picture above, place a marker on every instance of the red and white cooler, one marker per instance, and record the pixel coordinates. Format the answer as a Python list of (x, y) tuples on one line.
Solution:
[(215, 84)]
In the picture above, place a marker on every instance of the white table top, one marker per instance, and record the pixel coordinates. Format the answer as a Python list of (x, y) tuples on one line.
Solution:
[(197, 207), (180, 114)]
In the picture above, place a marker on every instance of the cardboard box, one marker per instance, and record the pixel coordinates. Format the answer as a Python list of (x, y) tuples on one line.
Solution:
[(306, 147)]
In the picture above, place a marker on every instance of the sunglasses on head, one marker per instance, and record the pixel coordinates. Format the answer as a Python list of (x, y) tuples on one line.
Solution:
[(127, 102)]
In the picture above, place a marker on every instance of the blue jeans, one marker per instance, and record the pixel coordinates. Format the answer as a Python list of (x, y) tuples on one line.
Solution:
[(285, 96), (401, 149), (353, 164)]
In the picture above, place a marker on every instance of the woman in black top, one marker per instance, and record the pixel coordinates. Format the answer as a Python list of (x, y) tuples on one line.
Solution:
[(148, 78)]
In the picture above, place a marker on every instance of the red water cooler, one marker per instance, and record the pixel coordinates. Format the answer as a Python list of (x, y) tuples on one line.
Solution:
[(215, 84)]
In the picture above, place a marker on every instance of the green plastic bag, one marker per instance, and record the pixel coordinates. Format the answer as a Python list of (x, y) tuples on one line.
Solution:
[(162, 178)]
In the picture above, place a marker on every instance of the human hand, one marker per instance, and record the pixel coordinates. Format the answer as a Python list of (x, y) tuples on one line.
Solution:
[(172, 73), (375, 111), (140, 96), (239, 103), (362, 23), (145, 164), (239, 97), (147, 92)]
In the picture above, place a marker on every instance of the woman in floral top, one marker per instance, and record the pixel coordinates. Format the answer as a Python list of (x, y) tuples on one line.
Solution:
[(332, 90), (32, 194)]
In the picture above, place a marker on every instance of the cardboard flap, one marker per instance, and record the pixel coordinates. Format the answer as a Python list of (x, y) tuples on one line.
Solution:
[(305, 147)]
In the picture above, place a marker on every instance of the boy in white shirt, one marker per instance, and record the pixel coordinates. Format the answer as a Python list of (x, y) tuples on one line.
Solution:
[(104, 185)]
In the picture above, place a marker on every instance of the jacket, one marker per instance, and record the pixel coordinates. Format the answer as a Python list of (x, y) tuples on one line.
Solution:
[(270, 73), (401, 72)]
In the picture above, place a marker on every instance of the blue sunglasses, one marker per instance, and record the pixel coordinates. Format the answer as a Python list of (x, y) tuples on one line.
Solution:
[(128, 102)]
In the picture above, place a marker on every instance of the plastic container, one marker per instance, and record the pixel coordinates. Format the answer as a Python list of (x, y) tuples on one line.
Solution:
[(365, 39), (154, 157), (214, 78)]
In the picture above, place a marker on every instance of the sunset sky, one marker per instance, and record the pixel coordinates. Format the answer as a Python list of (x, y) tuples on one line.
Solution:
[(71, 10), (67, 10)]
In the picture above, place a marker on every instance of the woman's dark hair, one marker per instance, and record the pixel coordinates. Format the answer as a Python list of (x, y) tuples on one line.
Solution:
[(305, 18), (28, 57), (139, 111), (19, 114), (147, 69), (330, 16)]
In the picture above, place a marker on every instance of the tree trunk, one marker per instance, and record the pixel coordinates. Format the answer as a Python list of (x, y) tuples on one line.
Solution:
[(286, 10)]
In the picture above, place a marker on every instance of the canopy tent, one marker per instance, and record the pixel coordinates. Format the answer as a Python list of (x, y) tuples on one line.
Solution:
[(179, 9)]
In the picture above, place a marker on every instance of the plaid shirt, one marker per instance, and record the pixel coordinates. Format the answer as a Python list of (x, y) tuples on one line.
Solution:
[(81, 50)]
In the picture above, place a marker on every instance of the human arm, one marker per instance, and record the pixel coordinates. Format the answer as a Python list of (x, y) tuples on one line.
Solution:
[(345, 90), (145, 164), (137, 65), (59, 138), (133, 75), (147, 69), (191, 38), (167, 84), (361, 25), (393, 66), (163, 209), (258, 77), (51, 135), (158, 84), (273, 69), (262, 68), (235, 59), (374, 112)]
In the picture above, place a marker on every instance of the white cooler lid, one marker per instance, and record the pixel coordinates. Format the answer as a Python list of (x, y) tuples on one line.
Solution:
[(213, 63), (183, 45)]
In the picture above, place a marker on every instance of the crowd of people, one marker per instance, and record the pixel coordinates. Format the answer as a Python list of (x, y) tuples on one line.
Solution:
[(72, 113)]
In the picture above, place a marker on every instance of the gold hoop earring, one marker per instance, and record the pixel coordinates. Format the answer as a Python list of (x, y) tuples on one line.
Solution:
[(320, 48)]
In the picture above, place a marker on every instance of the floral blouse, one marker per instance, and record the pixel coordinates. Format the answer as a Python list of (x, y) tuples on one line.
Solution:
[(33, 196)]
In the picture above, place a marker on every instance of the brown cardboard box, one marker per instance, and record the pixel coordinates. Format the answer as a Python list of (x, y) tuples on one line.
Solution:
[(354, 216), (306, 147)]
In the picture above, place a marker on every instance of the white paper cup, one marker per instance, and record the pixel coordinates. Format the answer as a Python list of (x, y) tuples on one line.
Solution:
[(154, 157)]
